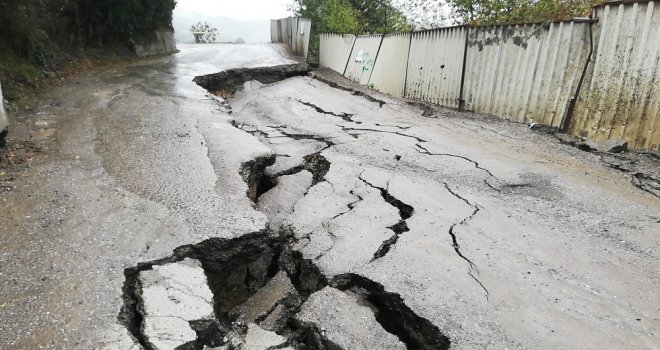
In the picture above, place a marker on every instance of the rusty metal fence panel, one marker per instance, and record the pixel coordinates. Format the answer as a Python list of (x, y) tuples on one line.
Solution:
[(620, 98), (435, 65), (526, 73), (363, 58), (335, 49), (389, 72)]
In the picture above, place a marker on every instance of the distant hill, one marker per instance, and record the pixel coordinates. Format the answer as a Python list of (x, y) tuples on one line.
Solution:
[(251, 31)]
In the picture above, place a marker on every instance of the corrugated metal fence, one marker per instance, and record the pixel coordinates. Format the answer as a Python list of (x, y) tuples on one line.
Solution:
[(363, 57), (527, 73), (335, 50), (389, 72), (293, 31), (542, 73), (620, 98), (435, 66)]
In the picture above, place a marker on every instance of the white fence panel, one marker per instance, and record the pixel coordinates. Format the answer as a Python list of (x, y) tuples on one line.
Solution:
[(435, 65), (620, 98), (363, 58), (389, 72), (527, 73), (335, 50)]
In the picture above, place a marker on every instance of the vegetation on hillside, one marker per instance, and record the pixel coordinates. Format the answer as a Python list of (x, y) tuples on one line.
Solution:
[(483, 12), (39, 37), (350, 16)]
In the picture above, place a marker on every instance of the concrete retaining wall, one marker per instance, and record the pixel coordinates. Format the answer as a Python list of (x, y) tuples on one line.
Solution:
[(161, 42)]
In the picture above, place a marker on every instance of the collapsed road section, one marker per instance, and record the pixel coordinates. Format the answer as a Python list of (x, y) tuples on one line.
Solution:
[(257, 291), (386, 230), (254, 292)]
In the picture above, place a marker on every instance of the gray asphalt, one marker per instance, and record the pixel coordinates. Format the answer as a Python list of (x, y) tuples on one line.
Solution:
[(515, 241)]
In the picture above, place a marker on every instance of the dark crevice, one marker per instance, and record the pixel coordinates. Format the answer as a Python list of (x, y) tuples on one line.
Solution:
[(393, 314), (332, 84), (315, 163), (638, 178), (405, 212), (226, 83), (346, 129), (253, 173), (318, 166), (291, 171), (238, 268), (457, 247), (345, 116), (209, 334), (421, 149), (128, 315), (259, 133), (225, 262)]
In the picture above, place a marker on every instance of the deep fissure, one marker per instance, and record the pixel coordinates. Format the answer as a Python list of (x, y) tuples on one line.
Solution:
[(238, 268), (405, 212), (224, 84)]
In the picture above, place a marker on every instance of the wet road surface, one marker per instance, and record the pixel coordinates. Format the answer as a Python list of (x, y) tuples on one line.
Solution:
[(499, 237)]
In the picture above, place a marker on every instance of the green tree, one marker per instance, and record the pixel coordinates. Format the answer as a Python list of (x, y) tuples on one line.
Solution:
[(204, 32), (481, 12), (349, 16), (424, 14), (31, 28)]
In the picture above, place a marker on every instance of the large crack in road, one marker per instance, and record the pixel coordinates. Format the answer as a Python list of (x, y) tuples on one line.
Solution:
[(240, 269), (337, 211), (405, 212), (263, 222), (237, 269)]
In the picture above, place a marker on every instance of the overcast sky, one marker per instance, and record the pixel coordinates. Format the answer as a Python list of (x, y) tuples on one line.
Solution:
[(239, 9)]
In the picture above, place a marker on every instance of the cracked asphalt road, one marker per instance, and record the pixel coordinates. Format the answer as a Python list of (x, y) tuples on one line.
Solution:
[(500, 237)]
